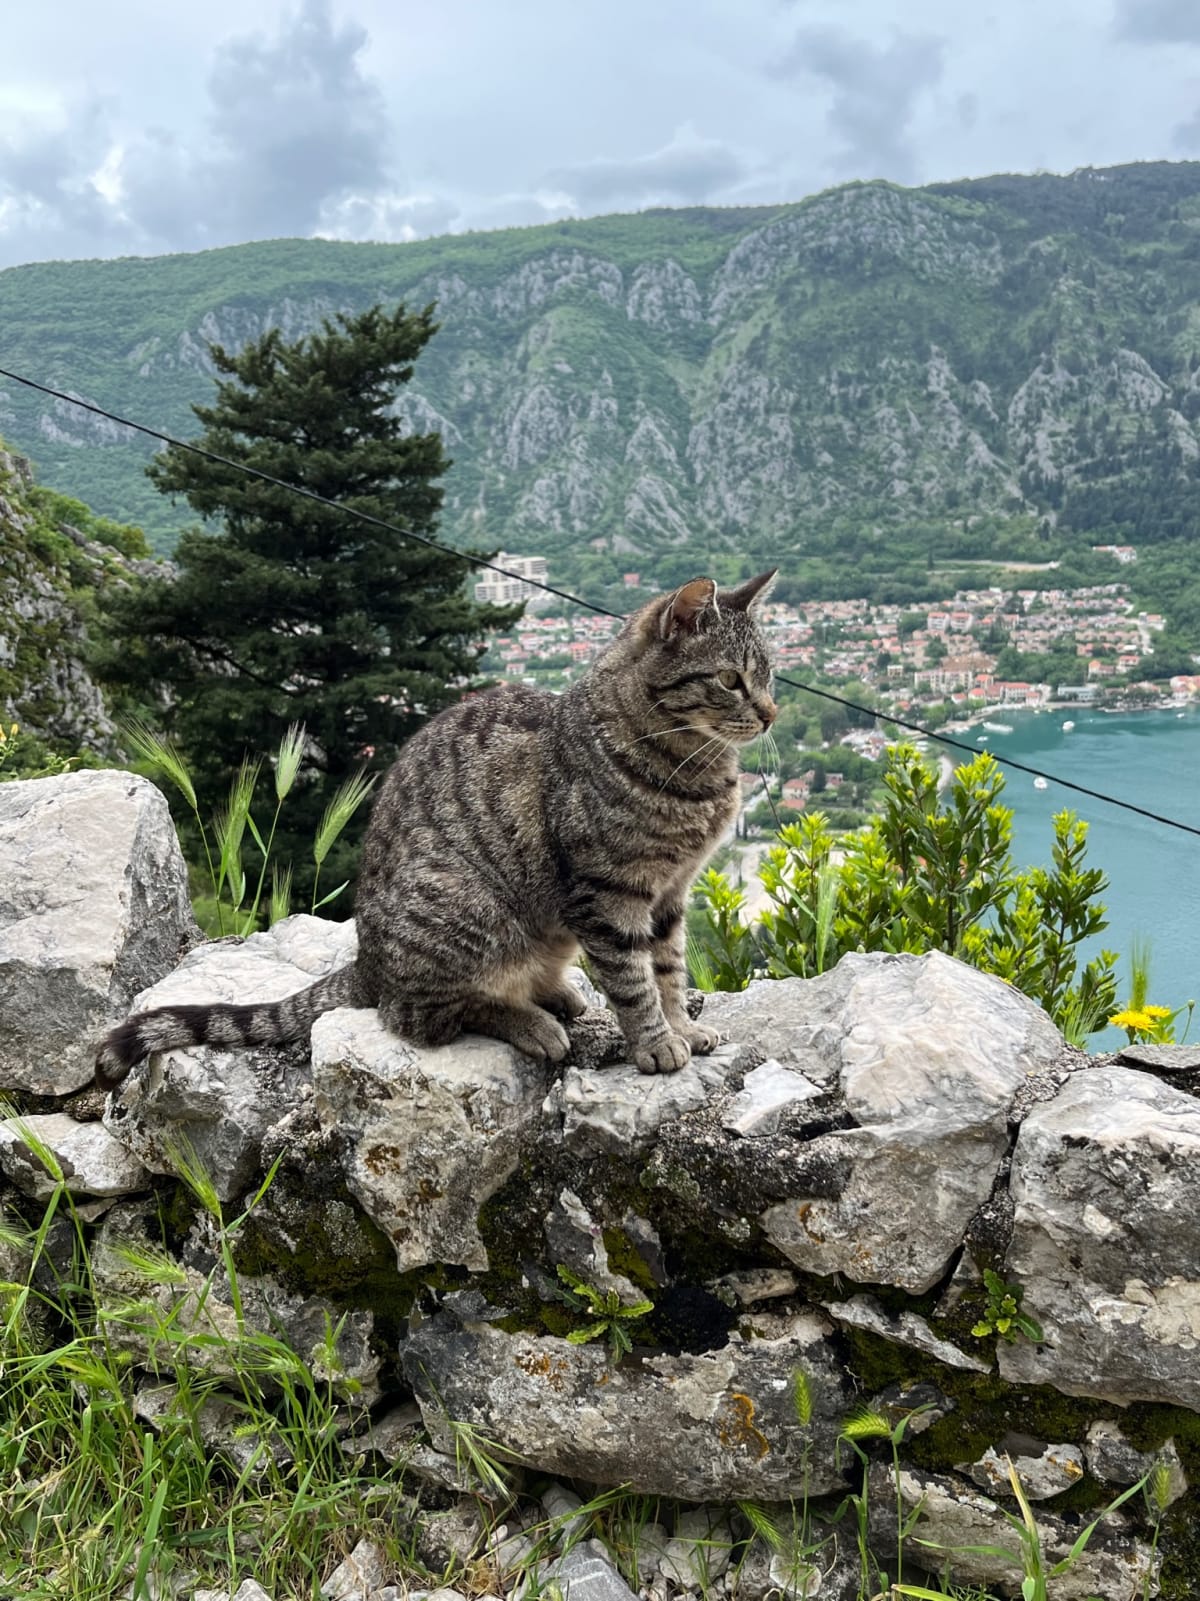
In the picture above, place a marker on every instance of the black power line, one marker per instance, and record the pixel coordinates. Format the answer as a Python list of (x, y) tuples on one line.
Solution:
[(574, 600), (295, 489)]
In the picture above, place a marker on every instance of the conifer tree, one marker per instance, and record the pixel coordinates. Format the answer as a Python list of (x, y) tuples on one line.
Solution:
[(284, 610)]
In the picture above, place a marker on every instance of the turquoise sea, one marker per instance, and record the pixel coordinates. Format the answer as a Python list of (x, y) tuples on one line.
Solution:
[(1152, 759)]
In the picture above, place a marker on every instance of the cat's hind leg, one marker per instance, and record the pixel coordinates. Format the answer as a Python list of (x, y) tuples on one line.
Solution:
[(563, 1000), (527, 1027)]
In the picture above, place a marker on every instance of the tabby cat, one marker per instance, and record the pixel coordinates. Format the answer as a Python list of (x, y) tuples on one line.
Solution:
[(519, 826)]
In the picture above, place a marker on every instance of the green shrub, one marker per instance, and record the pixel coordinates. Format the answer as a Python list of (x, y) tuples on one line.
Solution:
[(934, 871)]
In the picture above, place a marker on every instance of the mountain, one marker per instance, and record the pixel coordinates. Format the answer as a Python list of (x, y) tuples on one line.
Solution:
[(1006, 361)]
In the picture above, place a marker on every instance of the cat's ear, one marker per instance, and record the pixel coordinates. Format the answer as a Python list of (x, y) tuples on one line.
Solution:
[(689, 609), (750, 594)]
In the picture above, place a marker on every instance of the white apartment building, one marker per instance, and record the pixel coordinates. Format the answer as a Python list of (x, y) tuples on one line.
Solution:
[(494, 589)]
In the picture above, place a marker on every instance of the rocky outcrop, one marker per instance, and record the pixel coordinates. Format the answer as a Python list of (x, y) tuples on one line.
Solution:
[(1098, 1173), (46, 565)]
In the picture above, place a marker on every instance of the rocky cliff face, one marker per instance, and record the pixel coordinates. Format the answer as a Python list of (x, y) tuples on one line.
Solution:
[(1019, 347), (48, 570)]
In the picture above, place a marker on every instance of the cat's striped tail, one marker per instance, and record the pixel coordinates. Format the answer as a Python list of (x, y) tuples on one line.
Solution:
[(266, 1023)]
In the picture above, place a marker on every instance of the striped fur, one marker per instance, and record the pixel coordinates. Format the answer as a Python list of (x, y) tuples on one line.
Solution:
[(517, 828)]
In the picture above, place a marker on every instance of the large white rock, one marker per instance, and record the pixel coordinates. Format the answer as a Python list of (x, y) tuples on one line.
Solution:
[(715, 1425), (91, 1160), (221, 1101), (428, 1135), (93, 908), (1105, 1244), (928, 1055)]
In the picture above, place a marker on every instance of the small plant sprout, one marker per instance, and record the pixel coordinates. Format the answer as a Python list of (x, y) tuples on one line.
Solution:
[(1157, 1493), (1003, 1315), (1035, 1583), (802, 1397), (608, 1313)]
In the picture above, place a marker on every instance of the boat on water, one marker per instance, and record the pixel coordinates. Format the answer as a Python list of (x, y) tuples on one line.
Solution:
[(998, 728), (1068, 726), (1040, 783)]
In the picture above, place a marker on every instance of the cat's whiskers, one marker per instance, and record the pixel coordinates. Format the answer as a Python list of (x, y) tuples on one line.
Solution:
[(662, 733), (716, 739), (715, 757)]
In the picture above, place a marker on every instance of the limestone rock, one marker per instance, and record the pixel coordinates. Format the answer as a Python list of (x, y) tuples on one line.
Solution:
[(561, 1507), (767, 1091), (1112, 1460), (1042, 1474), (699, 1551), (359, 1576), (91, 1160), (927, 1055), (428, 1134), (1102, 1178), (754, 1285), (221, 1422), (952, 1518), (619, 1109), (93, 909), (723, 1423), (576, 1240), (390, 1436), (906, 1328), (224, 1102), (585, 1573), (452, 1537), (1161, 1058)]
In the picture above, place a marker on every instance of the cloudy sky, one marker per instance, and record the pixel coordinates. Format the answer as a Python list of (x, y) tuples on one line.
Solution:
[(136, 127)]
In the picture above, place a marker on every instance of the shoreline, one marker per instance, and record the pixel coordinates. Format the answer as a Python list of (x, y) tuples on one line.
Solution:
[(993, 713)]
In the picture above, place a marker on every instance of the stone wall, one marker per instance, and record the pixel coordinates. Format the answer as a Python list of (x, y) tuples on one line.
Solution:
[(809, 1213)]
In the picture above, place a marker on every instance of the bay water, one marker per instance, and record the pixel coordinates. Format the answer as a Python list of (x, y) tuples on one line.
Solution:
[(1151, 758)]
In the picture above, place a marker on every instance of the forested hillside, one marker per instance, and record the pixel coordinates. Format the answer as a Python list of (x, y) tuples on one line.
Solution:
[(1005, 362)]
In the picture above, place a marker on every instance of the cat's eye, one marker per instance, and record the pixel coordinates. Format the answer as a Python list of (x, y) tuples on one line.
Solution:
[(730, 678)]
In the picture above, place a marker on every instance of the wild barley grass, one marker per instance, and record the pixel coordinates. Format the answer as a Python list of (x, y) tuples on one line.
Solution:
[(94, 1501), (228, 882)]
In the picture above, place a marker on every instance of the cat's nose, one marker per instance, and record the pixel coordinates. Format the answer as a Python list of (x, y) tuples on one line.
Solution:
[(768, 711)]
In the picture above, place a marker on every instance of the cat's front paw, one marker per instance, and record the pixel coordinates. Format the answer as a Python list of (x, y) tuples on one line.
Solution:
[(665, 1053), (702, 1039)]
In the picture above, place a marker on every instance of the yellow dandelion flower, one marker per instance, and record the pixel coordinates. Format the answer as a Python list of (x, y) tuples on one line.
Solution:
[(1134, 1020), (1157, 1011)]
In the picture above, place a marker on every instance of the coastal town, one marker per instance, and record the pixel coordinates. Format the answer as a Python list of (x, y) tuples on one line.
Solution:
[(945, 658)]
